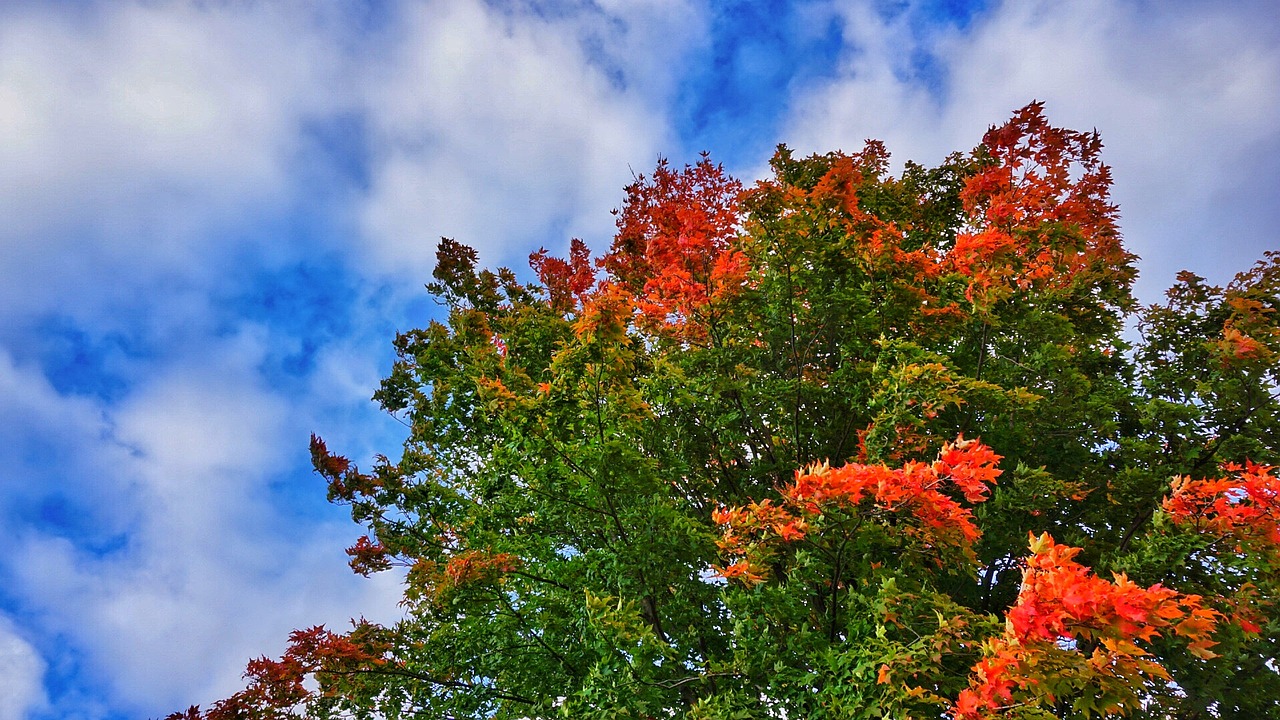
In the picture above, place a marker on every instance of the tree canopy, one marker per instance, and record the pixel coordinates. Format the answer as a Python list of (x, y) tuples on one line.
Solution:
[(839, 444)]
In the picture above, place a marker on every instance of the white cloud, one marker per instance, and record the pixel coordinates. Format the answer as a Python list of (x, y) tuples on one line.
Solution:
[(510, 130), (1187, 100), (23, 669), (131, 134)]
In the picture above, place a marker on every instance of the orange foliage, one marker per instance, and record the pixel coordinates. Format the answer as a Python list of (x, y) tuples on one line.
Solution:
[(834, 205), (1041, 215), (914, 492), (345, 482), (1062, 608), (568, 282), (368, 557), (1243, 508), (472, 565), (276, 687), (604, 315), (1236, 346), (437, 583), (676, 245)]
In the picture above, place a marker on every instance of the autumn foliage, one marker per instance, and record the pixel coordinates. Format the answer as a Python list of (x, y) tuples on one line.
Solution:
[(1242, 508), (1084, 630), (1041, 215), (778, 452), (930, 521), (675, 249)]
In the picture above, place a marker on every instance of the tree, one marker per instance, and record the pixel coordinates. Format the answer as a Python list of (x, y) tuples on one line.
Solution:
[(842, 444)]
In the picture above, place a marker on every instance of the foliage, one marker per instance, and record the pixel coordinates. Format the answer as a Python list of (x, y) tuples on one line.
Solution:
[(732, 468)]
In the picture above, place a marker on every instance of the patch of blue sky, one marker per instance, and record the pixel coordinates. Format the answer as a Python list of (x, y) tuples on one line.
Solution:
[(926, 70), (926, 20), (304, 304), (736, 94), (959, 14), (50, 492), (292, 280), (919, 65), (74, 690), (63, 515), (596, 51), (297, 497), (77, 360), (591, 41), (307, 309), (368, 16), (280, 271)]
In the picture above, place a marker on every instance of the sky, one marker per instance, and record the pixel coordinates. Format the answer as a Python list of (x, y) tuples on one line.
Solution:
[(215, 214)]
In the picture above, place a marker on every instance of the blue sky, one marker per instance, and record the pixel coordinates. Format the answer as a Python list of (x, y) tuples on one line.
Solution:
[(214, 215)]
